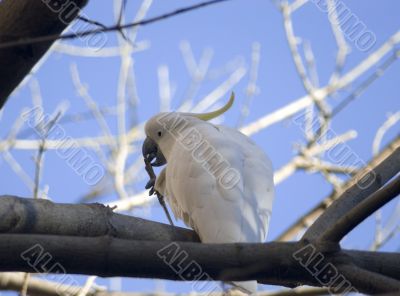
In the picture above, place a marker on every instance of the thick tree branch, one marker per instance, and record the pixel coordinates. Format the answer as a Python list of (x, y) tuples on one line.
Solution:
[(364, 184), (23, 215), (385, 165), (86, 239), (369, 281), (378, 263), (107, 256), (360, 212), (29, 216), (19, 20)]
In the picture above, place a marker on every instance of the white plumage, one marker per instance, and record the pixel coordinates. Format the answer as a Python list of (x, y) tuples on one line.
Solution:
[(197, 195)]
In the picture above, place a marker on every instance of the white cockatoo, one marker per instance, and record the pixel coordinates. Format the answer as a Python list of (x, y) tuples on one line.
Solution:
[(216, 179)]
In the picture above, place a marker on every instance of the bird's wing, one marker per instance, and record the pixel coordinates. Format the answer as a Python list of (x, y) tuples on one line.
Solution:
[(201, 198), (258, 181)]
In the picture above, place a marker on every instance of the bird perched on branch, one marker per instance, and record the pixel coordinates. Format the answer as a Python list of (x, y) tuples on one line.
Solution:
[(216, 179)]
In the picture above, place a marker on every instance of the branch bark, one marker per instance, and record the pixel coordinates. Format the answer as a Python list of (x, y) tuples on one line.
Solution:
[(390, 155), (20, 19), (363, 185), (359, 213), (107, 256), (90, 239), (369, 281), (13, 281), (29, 216)]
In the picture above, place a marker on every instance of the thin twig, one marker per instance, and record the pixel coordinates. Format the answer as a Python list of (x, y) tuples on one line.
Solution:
[(25, 284), (92, 22), (117, 27)]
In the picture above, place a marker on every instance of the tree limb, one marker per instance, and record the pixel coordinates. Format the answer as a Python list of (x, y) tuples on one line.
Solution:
[(87, 239), (107, 256), (363, 210), (366, 280), (364, 184), (387, 157), (117, 27), (19, 20), (12, 281), (23, 215)]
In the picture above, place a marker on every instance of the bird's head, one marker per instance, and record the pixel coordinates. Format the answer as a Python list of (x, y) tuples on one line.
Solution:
[(162, 131)]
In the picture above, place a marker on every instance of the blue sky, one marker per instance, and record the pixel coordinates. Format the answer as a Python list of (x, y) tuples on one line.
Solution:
[(229, 29)]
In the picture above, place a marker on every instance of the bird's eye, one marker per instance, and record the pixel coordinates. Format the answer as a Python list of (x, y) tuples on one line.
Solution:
[(159, 133)]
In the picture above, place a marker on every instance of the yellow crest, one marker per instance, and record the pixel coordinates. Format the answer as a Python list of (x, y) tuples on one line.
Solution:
[(216, 113)]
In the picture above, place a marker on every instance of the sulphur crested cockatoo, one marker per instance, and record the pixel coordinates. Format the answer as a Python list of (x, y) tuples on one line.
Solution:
[(216, 179)]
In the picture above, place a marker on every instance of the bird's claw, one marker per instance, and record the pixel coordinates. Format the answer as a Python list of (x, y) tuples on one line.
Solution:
[(150, 183), (151, 192)]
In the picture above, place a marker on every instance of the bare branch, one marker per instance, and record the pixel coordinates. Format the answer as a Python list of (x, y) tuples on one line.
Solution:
[(90, 239), (107, 256), (20, 215), (117, 27), (366, 182), (361, 211), (22, 20), (307, 219), (391, 121), (371, 281), (12, 281), (305, 101)]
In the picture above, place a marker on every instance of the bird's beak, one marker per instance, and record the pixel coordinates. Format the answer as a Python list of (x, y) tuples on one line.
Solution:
[(151, 151)]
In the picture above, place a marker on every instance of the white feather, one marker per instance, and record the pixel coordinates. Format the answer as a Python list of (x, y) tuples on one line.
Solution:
[(219, 214)]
